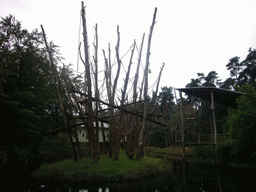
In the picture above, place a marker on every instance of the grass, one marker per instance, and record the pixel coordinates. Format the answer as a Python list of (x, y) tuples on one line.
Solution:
[(174, 151), (106, 170)]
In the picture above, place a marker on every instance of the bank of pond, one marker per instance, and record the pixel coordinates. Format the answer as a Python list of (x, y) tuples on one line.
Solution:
[(149, 174), (183, 176), (106, 170)]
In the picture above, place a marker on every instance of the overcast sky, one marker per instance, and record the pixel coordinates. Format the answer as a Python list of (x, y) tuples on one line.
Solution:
[(189, 36)]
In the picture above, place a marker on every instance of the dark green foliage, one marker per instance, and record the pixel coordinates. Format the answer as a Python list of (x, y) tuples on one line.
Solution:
[(248, 72), (228, 150), (55, 148), (166, 101), (28, 98), (206, 152), (241, 72), (242, 123), (211, 80), (161, 136), (234, 67)]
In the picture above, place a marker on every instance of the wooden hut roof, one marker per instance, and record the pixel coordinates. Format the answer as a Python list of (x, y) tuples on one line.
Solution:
[(222, 96)]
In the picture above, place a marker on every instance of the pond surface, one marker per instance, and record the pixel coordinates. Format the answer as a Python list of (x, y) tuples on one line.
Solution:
[(184, 176)]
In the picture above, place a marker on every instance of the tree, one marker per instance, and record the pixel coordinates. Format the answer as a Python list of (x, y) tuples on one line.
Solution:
[(166, 99), (248, 73), (211, 80), (234, 67), (241, 72), (27, 92), (242, 123), (228, 83), (165, 107)]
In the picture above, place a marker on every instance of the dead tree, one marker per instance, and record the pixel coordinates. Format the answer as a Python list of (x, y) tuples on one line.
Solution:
[(121, 120), (153, 102), (131, 135), (140, 153), (62, 107), (112, 139), (90, 127), (77, 146), (97, 95)]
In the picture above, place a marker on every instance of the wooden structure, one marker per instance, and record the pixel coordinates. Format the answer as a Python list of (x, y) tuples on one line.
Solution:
[(211, 94), (80, 103)]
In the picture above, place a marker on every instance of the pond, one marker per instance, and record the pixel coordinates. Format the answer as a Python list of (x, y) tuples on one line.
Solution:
[(185, 176)]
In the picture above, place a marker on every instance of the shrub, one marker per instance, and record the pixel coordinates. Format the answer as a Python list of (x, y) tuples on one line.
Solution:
[(228, 150), (55, 148), (204, 152)]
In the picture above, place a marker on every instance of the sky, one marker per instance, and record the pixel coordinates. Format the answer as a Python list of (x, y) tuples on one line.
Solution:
[(190, 37)]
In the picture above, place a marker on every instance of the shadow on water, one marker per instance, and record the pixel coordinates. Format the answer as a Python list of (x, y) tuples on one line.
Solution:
[(185, 176)]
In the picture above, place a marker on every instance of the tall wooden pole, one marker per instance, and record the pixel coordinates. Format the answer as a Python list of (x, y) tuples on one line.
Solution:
[(121, 121), (79, 154), (213, 119), (97, 95), (62, 107), (141, 137), (199, 131), (90, 128), (182, 126), (112, 128)]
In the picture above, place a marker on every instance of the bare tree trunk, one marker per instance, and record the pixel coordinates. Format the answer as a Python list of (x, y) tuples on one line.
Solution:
[(172, 143), (97, 95), (131, 136), (109, 91), (140, 153), (153, 102), (112, 120), (77, 146), (63, 111), (120, 128), (90, 128)]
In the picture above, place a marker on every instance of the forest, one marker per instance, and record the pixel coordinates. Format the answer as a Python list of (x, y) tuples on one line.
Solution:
[(42, 101)]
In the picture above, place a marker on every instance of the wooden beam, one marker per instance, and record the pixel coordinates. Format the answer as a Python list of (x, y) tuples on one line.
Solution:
[(126, 111), (63, 128)]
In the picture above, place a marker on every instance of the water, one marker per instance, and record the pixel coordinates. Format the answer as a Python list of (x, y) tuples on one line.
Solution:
[(183, 177)]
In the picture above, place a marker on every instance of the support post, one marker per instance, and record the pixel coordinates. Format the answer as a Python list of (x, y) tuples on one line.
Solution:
[(213, 119), (182, 126)]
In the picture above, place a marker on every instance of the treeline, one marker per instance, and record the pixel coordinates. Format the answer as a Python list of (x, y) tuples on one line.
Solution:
[(28, 97)]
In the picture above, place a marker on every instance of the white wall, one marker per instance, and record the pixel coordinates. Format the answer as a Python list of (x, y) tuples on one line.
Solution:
[(83, 137)]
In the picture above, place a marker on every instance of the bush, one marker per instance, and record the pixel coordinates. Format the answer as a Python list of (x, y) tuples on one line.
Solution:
[(84, 149), (204, 152), (55, 148), (228, 150)]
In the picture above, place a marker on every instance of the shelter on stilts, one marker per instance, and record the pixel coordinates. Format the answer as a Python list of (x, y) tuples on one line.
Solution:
[(211, 94)]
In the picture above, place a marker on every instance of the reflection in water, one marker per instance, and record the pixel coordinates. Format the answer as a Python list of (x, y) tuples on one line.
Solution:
[(185, 176), (99, 190)]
